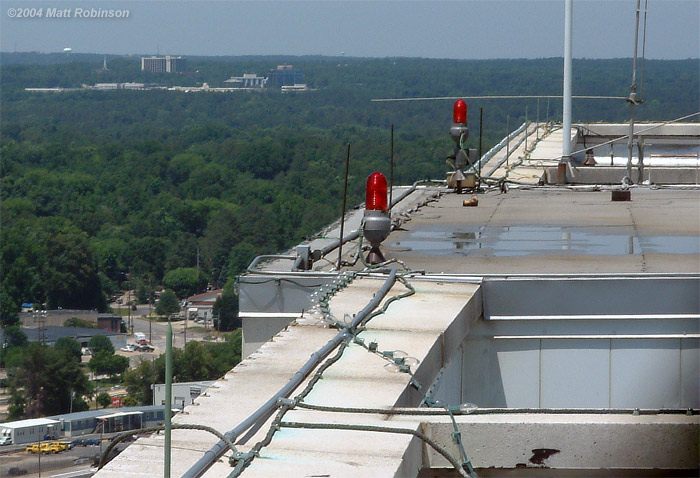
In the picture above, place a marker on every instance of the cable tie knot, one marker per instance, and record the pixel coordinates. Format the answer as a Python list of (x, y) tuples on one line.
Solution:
[(288, 402)]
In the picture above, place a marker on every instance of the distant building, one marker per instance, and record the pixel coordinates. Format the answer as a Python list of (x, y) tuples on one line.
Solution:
[(49, 334), (115, 420), (284, 75), (29, 431), (201, 306), (59, 317), (248, 80), (56, 317), (297, 87), (164, 64), (183, 393)]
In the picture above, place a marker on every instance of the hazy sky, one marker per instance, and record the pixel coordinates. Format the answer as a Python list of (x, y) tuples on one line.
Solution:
[(434, 29)]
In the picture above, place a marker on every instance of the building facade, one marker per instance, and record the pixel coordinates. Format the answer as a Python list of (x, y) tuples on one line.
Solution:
[(284, 75), (248, 80), (29, 431), (164, 64), (183, 393)]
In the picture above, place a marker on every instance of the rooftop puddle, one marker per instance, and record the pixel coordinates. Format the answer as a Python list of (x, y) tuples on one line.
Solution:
[(544, 240)]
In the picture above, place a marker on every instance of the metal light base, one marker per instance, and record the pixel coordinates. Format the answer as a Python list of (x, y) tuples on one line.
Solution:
[(375, 256)]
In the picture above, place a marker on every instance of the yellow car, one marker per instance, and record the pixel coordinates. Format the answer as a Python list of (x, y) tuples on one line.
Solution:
[(61, 446), (48, 447), (33, 448)]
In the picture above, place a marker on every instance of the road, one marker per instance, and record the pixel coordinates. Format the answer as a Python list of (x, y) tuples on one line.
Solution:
[(155, 332), (78, 458)]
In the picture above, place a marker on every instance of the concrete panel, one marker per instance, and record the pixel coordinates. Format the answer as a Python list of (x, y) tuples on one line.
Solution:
[(258, 331), (654, 442), (690, 373), (575, 374), (614, 175), (448, 386), (519, 364), (284, 293), (481, 377), (645, 373), (630, 296)]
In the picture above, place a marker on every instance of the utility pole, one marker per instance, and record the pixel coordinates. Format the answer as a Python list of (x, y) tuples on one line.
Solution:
[(128, 306), (150, 313), (168, 397)]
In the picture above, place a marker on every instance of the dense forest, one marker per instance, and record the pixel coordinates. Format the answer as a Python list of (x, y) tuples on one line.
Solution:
[(103, 190)]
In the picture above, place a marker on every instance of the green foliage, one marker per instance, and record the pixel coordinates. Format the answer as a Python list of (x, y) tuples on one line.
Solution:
[(225, 310), (100, 343), (202, 360), (168, 303), (103, 399), (76, 322), (8, 310), (138, 382), (185, 281), (198, 361), (14, 337), (105, 363), (69, 347), (43, 382), (11, 350), (100, 186)]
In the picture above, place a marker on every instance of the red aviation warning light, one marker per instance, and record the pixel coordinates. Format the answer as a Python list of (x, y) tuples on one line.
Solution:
[(459, 130), (375, 199), (459, 112), (377, 222)]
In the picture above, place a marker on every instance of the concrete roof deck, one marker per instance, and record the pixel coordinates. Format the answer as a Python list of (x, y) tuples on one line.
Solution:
[(352, 381), (521, 232)]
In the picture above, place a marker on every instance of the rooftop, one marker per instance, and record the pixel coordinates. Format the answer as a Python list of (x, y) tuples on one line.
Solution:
[(572, 322), (32, 422)]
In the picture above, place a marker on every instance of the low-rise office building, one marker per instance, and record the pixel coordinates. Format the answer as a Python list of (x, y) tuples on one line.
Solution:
[(29, 431)]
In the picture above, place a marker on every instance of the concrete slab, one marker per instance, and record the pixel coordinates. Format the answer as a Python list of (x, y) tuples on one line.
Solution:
[(437, 238)]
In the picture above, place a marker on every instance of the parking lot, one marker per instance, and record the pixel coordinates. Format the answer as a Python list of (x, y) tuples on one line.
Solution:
[(15, 461)]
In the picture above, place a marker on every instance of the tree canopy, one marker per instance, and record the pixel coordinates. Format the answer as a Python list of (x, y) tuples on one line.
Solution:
[(102, 191)]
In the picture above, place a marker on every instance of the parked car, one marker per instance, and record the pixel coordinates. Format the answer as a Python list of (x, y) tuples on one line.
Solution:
[(67, 444), (33, 448), (60, 445), (146, 348), (129, 348), (46, 447), (80, 442), (5, 441), (92, 442)]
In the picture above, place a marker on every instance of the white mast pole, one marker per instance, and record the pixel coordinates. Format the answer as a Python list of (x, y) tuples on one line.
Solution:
[(566, 120)]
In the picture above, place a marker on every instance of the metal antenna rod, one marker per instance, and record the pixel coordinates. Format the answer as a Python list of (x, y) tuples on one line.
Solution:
[(633, 97), (391, 169), (342, 215), (481, 129), (526, 127), (507, 139)]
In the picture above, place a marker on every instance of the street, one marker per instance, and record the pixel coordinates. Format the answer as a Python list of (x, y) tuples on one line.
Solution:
[(155, 332), (28, 465)]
